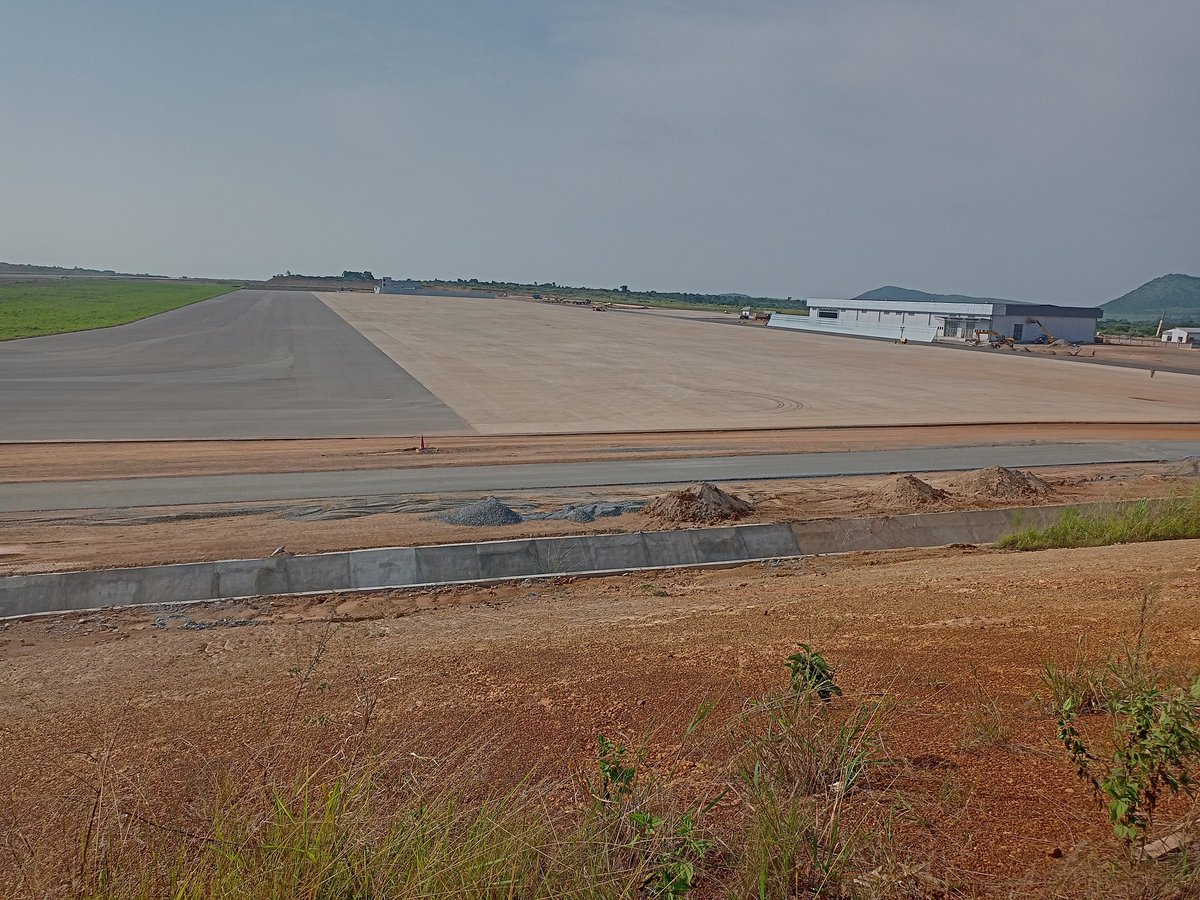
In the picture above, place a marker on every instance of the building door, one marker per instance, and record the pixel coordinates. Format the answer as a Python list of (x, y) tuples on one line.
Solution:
[(1018, 332)]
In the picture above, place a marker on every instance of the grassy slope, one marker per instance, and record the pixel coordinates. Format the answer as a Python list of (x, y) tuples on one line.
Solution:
[(28, 309), (1177, 518)]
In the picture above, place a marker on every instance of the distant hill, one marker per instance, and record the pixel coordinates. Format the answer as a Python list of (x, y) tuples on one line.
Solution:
[(1176, 297), (891, 292)]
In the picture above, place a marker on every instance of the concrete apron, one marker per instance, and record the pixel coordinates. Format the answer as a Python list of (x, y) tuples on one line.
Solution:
[(492, 561)]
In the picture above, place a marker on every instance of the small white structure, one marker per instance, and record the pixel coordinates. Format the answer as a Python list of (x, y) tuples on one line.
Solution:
[(926, 321), (1182, 336)]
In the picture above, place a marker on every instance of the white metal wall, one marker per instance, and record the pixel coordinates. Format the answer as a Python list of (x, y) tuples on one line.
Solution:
[(910, 326)]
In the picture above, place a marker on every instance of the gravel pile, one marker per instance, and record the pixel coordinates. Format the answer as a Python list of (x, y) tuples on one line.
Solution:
[(483, 512), (588, 512), (1188, 466)]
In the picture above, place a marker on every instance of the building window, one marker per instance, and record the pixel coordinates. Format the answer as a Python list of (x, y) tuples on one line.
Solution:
[(827, 313)]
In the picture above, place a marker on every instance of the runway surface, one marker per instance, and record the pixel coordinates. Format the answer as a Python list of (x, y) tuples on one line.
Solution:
[(518, 367), (247, 364), (136, 492)]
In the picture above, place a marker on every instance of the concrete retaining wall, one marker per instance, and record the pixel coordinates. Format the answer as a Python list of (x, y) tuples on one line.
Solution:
[(392, 567)]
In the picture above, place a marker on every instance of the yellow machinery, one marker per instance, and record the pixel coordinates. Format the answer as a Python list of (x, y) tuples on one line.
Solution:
[(993, 337)]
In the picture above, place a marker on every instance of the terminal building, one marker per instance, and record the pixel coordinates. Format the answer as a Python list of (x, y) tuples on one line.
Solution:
[(926, 321), (409, 286)]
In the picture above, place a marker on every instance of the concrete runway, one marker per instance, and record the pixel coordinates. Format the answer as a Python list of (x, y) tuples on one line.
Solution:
[(484, 480), (518, 367), (247, 364)]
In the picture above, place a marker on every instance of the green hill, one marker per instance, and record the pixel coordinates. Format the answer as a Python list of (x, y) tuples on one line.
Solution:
[(1176, 297), (891, 292)]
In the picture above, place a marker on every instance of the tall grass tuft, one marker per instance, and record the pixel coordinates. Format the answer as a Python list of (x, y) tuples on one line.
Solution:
[(318, 840), (1175, 518)]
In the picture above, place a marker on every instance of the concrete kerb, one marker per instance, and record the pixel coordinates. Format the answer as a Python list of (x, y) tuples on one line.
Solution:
[(496, 561), (391, 567)]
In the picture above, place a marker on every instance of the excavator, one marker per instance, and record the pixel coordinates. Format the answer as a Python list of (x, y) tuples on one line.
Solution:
[(1050, 341), (993, 337), (1045, 337)]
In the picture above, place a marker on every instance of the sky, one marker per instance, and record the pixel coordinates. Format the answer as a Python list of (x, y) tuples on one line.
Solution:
[(1046, 151)]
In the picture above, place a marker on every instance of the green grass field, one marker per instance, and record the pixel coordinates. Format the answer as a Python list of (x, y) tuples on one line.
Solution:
[(29, 309)]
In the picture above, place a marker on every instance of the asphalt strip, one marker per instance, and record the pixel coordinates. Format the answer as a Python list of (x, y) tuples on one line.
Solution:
[(485, 480)]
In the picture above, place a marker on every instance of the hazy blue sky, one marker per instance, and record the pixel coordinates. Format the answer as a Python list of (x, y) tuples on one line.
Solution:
[(1037, 150)]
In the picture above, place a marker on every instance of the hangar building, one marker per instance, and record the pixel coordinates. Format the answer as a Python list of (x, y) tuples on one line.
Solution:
[(945, 320)]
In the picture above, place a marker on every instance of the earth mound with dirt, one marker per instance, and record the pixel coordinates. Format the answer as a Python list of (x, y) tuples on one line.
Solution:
[(906, 491), (484, 512), (700, 503), (999, 483)]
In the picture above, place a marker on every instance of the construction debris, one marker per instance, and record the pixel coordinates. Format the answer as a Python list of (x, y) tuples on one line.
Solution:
[(587, 512)]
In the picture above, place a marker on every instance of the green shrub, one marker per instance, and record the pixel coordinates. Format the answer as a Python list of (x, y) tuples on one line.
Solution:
[(1156, 747), (810, 671)]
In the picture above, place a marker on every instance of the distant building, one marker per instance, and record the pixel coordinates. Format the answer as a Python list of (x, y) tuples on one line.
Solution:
[(398, 286), (926, 321), (408, 286), (1182, 336)]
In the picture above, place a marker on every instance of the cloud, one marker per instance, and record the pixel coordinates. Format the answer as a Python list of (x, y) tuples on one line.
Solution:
[(1030, 149)]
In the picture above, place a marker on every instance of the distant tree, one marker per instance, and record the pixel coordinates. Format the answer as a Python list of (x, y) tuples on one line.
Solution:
[(624, 289)]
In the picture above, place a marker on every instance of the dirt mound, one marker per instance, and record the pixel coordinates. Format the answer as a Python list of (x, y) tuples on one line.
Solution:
[(702, 503), (999, 483), (906, 491), (484, 512)]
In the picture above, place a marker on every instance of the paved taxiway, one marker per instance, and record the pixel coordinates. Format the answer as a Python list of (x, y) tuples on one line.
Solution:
[(131, 492), (246, 364)]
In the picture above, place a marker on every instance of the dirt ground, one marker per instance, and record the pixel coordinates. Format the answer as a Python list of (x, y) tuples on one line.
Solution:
[(131, 459), (156, 705), (97, 539)]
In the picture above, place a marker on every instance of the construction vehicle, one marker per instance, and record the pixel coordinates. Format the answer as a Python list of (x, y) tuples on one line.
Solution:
[(745, 313), (1045, 337), (994, 338)]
